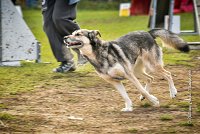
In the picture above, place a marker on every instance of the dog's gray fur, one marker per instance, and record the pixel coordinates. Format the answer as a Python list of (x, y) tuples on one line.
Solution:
[(131, 56)]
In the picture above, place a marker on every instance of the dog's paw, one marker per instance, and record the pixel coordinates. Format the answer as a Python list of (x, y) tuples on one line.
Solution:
[(141, 97), (129, 109), (155, 101), (173, 93)]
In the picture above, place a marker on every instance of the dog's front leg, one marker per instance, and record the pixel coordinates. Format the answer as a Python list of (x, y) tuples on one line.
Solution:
[(128, 103), (120, 87)]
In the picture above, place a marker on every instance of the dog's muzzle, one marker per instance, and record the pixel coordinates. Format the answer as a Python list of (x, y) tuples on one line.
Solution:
[(71, 42), (66, 40)]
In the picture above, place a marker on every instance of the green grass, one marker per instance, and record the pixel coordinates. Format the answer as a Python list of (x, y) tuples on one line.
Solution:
[(100, 5), (31, 76), (198, 109), (186, 124), (165, 105), (3, 106), (6, 116), (110, 24), (132, 130), (168, 131), (145, 105), (166, 117), (182, 104)]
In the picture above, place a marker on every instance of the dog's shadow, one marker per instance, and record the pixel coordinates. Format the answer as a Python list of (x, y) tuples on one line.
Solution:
[(86, 79)]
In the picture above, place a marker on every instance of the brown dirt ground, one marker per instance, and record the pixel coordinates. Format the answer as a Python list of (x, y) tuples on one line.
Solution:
[(97, 109)]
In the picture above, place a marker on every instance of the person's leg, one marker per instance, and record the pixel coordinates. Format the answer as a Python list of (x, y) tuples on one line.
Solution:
[(55, 39), (61, 53), (63, 18)]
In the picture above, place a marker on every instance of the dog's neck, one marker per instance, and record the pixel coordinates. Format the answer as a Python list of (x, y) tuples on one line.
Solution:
[(88, 52), (94, 54)]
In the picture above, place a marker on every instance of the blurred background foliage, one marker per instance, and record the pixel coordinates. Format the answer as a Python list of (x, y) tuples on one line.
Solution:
[(82, 5)]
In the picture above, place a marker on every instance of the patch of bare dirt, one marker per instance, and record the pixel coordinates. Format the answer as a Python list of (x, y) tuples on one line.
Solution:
[(66, 110)]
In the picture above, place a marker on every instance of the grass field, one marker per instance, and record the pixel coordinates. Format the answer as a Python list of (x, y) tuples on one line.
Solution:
[(16, 81), (111, 27)]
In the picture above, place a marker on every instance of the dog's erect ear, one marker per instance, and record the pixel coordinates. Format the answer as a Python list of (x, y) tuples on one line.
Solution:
[(97, 33), (92, 35)]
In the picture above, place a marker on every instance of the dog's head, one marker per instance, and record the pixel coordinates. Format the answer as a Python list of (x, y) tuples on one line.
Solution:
[(82, 37)]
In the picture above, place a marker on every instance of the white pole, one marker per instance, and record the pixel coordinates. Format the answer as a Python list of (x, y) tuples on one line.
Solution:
[(196, 18), (171, 15), (153, 19)]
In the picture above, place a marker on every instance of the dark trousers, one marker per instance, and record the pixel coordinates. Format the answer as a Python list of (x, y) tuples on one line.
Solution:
[(58, 19)]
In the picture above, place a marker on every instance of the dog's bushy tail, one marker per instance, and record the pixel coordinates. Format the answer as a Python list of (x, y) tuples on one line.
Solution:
[(170, 39)]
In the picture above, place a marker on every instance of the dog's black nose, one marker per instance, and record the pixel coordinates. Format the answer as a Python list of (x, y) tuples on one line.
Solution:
[(65, 39)]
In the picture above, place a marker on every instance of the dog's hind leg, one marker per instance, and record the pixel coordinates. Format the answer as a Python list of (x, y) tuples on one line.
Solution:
[(149, 80), (139, 71), (168, 76), (155, 64)]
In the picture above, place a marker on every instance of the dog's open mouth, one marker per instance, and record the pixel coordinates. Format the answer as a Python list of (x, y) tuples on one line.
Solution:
[(72, 43)]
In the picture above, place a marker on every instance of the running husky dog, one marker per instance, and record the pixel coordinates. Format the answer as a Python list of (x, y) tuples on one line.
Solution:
[(131, 56)]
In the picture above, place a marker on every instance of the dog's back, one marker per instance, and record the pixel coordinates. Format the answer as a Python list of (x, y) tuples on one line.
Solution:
[(138, 39), (134, 43)]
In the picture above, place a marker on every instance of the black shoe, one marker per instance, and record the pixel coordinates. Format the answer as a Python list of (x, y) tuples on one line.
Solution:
[(65, 67)]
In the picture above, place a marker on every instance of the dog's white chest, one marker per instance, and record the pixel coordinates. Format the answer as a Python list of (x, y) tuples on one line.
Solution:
[(117, 71)]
